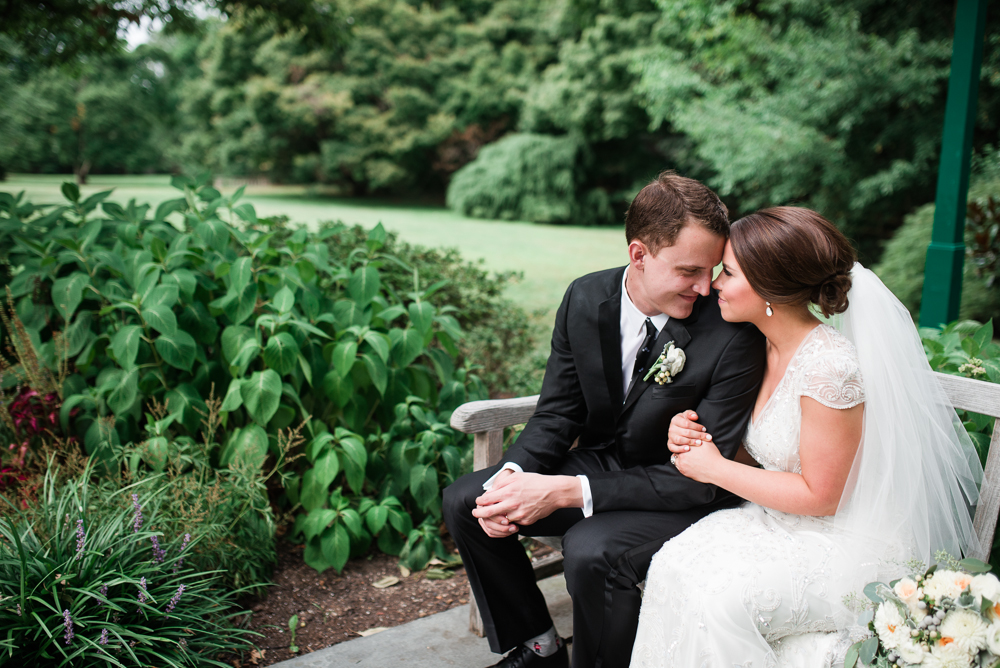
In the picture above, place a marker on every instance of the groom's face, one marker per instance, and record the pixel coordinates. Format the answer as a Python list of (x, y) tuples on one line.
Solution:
[(670, 280)]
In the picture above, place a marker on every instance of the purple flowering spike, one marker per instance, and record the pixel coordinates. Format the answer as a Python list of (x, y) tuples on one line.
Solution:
[(104, 637), (104, 593), (158, 553), (81, 539), (137, 521), (142, 589), (68, 624), (184, 544), (173, 601)]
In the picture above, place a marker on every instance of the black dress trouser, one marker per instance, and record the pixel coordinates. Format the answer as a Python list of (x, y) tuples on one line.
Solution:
[(605, 557)]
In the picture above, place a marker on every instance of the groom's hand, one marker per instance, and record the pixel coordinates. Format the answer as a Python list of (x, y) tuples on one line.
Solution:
[(525, 498)]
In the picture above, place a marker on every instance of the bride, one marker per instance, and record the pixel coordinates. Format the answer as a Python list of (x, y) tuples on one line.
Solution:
[(856, 464)]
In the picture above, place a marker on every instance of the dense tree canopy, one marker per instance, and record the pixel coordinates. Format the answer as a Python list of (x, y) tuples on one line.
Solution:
[(837, 105)]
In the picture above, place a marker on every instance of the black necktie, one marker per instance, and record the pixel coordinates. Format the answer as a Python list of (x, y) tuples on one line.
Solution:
[(640, 357)]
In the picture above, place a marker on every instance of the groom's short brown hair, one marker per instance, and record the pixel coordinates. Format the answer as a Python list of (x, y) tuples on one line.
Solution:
[(657, 214)]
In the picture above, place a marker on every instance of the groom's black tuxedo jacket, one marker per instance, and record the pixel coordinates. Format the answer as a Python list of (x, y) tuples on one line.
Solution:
[(582, 397)]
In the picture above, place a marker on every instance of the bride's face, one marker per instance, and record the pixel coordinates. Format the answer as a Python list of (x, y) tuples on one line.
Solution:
[(737, 300)]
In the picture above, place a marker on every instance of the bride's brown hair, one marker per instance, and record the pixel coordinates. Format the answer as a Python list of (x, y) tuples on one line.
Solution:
[(791, 255)]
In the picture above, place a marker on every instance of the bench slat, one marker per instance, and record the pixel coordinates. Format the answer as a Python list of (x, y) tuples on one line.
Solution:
[(988, 507), (966, 394)]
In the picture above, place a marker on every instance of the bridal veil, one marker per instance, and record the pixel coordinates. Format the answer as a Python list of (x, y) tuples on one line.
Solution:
[(914, 481)]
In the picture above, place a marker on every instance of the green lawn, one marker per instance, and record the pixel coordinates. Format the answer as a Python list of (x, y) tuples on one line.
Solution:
[(550, 256)]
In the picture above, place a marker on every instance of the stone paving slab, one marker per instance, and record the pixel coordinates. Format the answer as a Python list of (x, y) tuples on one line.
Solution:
[(443, 639)]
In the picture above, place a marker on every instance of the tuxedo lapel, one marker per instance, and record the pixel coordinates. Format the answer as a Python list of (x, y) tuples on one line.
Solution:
[(674, 330), (609, 328)]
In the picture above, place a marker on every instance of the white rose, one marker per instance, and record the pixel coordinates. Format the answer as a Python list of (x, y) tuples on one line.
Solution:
[(675, 360), (986, 586), (966, 630), (907, 591), (993, 638), (890, 626), (910, 652), (945, 583)]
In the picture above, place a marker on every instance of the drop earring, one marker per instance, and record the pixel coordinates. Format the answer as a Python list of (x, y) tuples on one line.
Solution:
[(768, 310)]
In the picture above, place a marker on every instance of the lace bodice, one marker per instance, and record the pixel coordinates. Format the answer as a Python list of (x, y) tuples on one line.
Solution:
[(824, 368)]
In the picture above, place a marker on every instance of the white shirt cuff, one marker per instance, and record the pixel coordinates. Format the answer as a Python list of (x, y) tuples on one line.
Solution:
[(588, 499), (509, 466)]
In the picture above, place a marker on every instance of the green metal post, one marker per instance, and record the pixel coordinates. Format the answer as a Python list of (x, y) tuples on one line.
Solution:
[(946, 252)]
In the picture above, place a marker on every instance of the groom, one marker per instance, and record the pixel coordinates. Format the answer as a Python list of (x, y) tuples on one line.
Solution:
[(615, 498)]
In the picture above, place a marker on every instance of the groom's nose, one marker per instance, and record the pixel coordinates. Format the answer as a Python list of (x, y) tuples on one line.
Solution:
[(703, 284)]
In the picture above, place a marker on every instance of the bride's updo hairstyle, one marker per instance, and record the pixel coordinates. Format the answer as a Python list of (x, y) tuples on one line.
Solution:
[(794, 256)]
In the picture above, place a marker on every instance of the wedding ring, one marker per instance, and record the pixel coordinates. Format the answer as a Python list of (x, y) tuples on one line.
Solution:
[(673, 459)]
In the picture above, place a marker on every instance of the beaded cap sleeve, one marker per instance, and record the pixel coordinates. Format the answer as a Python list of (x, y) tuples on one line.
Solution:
[(830, 372), (824, 368)]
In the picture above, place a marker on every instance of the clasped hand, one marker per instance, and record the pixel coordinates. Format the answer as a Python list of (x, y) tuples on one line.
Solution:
[(695, 455), (516, 498)]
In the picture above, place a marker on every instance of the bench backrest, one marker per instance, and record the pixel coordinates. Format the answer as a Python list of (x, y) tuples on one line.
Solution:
[(487, 420)]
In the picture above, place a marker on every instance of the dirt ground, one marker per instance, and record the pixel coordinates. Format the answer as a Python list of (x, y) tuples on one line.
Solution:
[(333, 608)]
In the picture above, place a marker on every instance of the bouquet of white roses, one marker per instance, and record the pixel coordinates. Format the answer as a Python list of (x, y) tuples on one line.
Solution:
[(942, 618)]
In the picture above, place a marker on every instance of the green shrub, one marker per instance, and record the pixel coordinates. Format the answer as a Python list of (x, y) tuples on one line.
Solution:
[(124, 311), (85, 584), (528, 177)]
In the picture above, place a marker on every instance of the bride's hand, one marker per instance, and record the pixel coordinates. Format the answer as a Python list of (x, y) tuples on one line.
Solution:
[(699, 463), (684, 432)]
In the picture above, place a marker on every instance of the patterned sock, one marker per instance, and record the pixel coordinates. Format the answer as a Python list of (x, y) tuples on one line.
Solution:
[(546, 644)]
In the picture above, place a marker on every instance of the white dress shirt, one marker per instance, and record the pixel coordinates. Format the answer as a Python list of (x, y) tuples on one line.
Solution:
[(632, 328)]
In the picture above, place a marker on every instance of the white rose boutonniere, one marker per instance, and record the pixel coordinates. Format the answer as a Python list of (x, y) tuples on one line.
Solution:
[(667, 365)]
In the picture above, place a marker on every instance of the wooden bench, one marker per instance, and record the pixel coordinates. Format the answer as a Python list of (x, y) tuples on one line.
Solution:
[(486, 420)]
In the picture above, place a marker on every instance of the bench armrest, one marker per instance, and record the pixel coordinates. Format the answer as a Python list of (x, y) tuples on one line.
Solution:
[(487, 420)]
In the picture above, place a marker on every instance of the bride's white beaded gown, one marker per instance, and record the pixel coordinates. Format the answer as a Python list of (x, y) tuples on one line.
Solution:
[(754, 587)]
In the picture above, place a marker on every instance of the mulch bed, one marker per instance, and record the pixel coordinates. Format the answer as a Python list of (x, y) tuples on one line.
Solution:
[(333, 608)]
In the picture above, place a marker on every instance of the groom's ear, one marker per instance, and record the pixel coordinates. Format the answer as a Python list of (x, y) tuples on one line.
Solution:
[(637, 253)]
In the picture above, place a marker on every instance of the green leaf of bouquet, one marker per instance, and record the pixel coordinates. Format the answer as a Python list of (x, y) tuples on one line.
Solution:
[(67, 293), (867, 651), (851, 658), (160, 318), (974, 565), (177, 349), (281, 352), (125, 345), (870, 591), (261, 395)]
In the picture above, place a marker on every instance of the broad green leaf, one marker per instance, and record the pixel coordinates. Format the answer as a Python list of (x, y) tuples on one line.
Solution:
[(379, 343), (336, 545), (281, 352), (125, 345), (284, 300), (348, 313), (338, 388), (233, 398), (314, 492), (363, 285), (408, 347), (214, 234), (261, 395), (313, 556), (326, 468), (240, 274), (165, 294), (422, 316), (155, 452), (177, 349), (424, 484), (376, 238), (233, 339), (344, 355), (355, 475), (166, 208), (400, 521), (242, 305), (185, 401), (197, 321), (148, 279), (70, 191), (67, 293), (246, 449), (871, 590), (391, 313), (376, 371), (867, 651), (248, 214), (317, 521), (352, 520), (984, 334), (125, 392), (160, 318), (376, 518), (185, 280)]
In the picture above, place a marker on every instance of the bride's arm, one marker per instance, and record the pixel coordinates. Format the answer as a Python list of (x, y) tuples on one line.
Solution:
[(829, 439)]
